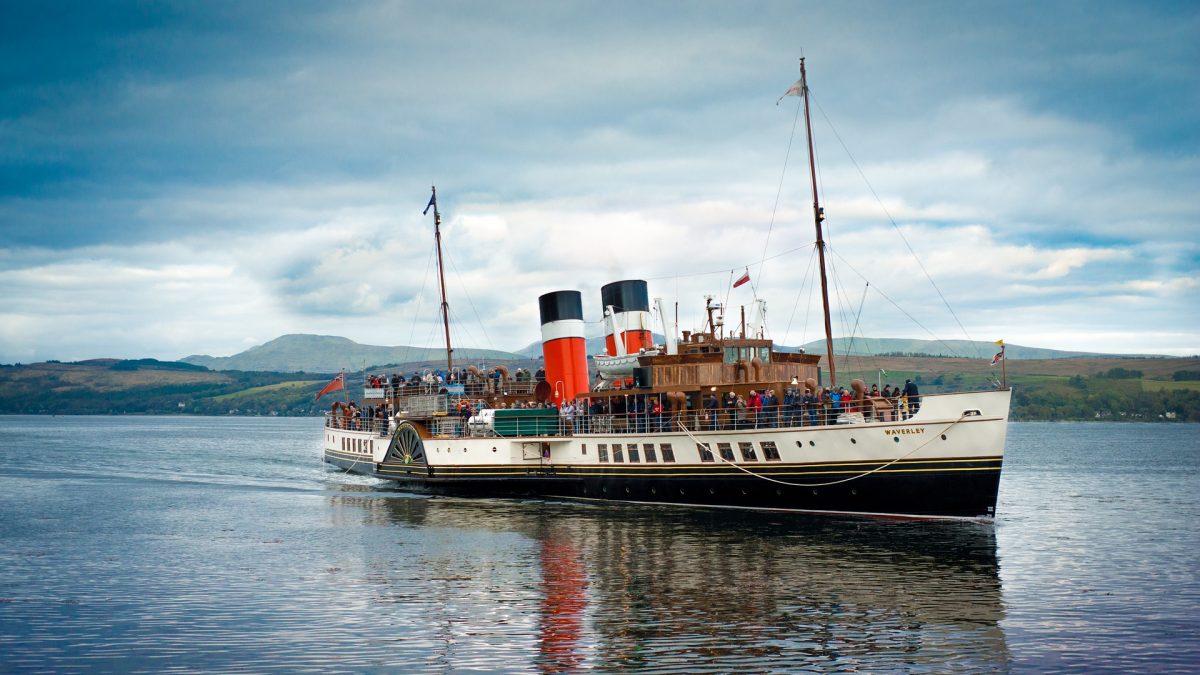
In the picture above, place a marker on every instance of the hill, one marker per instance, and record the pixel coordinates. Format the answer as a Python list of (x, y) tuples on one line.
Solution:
[(594, 345), (330, 354), (1043, 389), (864, 346), (114, 386), (890, 347)]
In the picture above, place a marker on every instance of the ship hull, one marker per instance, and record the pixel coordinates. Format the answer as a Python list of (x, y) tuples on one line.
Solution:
[(931, 466), (919, 493)]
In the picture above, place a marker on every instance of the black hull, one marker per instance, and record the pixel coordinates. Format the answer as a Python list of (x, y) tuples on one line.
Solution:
[(943, 489)]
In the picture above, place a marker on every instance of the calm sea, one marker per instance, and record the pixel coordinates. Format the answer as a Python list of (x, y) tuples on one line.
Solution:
[(224, 544)]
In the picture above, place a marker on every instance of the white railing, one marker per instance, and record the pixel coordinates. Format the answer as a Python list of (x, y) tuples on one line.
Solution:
[(443, 419)]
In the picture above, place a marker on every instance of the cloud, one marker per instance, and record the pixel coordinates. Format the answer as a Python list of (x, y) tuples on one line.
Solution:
[(189, 178)]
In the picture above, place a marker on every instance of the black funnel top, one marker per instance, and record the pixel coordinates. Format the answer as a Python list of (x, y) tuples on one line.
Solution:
[(626, 296), (561, 305)]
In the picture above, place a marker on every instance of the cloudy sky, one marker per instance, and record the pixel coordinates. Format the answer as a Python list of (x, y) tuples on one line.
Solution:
[(201, 177)]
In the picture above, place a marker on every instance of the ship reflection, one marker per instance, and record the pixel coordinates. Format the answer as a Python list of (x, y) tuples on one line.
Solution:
[(628, 587)]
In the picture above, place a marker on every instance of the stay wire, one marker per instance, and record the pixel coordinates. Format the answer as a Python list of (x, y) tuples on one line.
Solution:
[(471, 302), (897, 228), (420, 295), (895, 304), (804, 281), (778, 193)]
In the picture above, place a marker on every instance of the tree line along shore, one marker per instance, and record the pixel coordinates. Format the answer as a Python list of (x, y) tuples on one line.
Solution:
[(1114, 389)]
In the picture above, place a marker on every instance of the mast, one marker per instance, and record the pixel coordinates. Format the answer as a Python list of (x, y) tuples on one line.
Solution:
[(818, 216), (437, 237)]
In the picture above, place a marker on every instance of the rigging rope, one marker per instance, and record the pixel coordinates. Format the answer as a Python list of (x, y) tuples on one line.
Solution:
[(895, 304), (836, 482), (778, 192), (417, 313), (471, 302), (897, 228)]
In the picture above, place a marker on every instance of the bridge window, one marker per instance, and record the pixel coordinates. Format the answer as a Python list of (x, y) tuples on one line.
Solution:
[(770, 451), (705, 452), (618, 455), (602, 451), (726, 451), (667, 453), (649, 450), (748, 454), (633, 452)]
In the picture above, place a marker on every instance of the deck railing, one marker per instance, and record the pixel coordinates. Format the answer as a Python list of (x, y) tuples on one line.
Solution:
[(441, 417), (469, 389)]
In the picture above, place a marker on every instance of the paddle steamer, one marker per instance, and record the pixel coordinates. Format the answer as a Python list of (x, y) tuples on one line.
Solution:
[(646, 432)]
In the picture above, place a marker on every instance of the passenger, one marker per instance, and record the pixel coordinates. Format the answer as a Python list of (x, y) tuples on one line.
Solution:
[(710, 411), (770, 407), (741, 414), (567, 413), (789, 407), (656, 412), (729, 406), (913, 396)]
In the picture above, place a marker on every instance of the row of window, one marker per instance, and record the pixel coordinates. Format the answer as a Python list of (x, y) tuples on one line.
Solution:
[(360, 445), (646, 451), (636, 454)]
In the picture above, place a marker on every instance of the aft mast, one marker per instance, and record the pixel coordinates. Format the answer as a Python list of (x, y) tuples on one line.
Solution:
[(437, 236), (818, 217)]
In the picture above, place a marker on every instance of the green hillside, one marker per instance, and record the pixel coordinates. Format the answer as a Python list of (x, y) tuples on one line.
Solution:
[(145, 386), (330, 354), (1149, 389)]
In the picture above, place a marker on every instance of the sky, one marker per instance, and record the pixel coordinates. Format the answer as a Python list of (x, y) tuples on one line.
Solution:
[(199, 178)]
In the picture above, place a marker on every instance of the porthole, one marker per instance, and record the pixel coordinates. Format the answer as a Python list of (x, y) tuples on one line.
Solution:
[(799, 444), (681, 491), (712, 491), (943, 437), (653, 491), (814, 492), (853, 491), (604, 488), (493, 449), (626, 490), (464, 449), (853, 441), (813, 443), (896, 439), (778, 491)]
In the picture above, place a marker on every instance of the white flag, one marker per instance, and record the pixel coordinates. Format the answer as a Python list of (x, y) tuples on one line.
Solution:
[(796, 90)]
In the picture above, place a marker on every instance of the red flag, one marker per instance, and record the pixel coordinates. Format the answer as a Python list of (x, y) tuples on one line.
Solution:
[(335, 384), (744, 279), (998, 357)]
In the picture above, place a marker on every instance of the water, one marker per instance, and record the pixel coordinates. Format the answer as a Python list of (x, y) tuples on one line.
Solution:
[(224, 544)]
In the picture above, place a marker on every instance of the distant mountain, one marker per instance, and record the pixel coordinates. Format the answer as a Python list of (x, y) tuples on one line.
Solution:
[(951, 348), (329, 354), (594, 345), (889, 346)]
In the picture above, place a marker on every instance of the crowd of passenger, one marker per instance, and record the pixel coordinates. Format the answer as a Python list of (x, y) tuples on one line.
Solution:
[(799, 406), (475, 381)]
